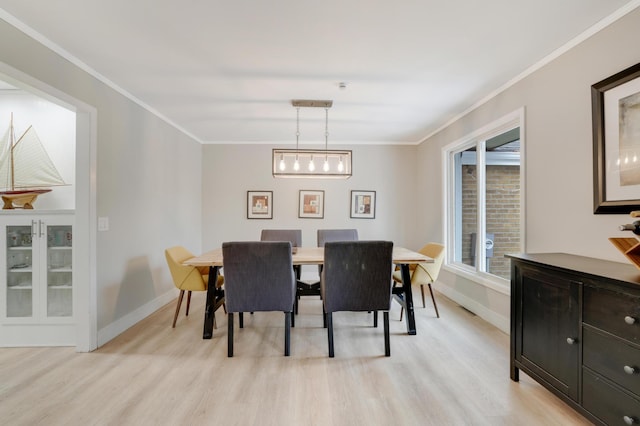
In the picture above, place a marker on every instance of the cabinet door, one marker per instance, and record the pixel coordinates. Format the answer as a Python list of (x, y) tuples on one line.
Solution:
[(59, 296), (36, 267), (20, 274), (548, 326)]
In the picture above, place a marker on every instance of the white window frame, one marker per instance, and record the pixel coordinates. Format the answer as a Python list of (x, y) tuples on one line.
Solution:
[(477, 139)]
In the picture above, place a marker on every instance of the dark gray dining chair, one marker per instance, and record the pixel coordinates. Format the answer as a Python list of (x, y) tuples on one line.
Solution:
[(294, 236), (259, 277), (331, 235), (324, 236), (357, 277)]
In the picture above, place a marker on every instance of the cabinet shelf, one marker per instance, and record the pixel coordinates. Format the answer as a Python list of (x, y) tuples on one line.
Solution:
[(18, 270), (62, 269), (20, 287), (19, 248), (60, 287)]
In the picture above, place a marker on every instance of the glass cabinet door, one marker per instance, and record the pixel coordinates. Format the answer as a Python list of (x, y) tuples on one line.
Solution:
[(19, 272), (59, 271)]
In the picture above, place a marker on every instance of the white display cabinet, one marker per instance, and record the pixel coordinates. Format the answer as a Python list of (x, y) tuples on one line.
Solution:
[(36, 264)]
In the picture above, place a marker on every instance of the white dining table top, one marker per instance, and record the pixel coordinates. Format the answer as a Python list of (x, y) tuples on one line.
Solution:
[(310, 256)]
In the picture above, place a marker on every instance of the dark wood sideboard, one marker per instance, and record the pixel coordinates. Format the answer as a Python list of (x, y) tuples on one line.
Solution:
[(575, 329)]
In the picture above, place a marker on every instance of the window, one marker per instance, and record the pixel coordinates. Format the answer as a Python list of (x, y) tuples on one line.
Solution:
[(484, 199)]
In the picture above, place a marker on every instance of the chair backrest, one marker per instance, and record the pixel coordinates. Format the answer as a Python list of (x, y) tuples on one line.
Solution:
[(184, 277), (357, 276), (428, 272), (331, 235), (258, 276), (294, 236)]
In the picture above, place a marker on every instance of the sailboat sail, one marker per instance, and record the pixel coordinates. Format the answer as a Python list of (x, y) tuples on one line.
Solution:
[(5, 152), (25, 164)]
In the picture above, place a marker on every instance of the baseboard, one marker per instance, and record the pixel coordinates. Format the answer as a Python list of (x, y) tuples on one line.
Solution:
[(119, 326), (492, 317)]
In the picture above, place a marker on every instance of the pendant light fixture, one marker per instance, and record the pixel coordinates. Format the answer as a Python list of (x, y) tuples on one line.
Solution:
[(287, 163)]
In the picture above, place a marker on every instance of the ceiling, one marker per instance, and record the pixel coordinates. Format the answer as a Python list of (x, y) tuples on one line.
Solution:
[(226, 71)]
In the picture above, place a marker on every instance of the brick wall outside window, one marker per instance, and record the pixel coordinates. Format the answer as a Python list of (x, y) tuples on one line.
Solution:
[(502, 214)]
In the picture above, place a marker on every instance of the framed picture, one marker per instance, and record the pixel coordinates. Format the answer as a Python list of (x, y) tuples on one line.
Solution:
[(363, 204), (259, 204), (615, 103), (311, 204)]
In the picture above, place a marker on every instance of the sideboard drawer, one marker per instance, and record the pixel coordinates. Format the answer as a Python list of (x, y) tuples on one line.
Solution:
[(608, 403), (616, 313), (613, 358)]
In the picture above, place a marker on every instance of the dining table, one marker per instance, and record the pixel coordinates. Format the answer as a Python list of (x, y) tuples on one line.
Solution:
[(401, 257)]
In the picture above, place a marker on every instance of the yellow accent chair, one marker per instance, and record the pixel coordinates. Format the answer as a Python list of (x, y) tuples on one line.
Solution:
[(425, 273), (188, 278)]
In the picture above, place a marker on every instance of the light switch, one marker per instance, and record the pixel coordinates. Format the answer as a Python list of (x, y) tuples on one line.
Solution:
[(103, 224)]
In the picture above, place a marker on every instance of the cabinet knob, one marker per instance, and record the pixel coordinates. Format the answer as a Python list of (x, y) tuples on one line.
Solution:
[(630, 420), (571, 340), (630, 370), (629, 320)]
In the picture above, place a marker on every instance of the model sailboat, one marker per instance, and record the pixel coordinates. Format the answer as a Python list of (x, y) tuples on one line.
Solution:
[(26, 170)]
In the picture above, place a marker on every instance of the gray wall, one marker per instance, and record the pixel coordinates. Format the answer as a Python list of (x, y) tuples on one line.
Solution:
[(229, 171), (148, 185), (158, 187), (558, 159)]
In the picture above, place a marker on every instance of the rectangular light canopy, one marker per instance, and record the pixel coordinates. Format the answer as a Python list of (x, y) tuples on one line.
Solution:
[(311, 163)]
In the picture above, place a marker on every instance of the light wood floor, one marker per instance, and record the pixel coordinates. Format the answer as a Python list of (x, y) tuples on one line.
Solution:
[(455, 371)]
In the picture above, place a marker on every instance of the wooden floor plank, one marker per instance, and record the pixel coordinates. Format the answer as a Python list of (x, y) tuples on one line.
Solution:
[(454, 371)]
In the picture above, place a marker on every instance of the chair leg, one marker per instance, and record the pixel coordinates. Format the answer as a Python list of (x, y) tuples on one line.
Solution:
[(287, 333), (188, 302), (175, 316), (215, 325), (293, 317), (241, 319), (401, 312), (375, 319), (230, 335), (330, 333), (422, 292), (434, 301), (224, 306), (387, 344)]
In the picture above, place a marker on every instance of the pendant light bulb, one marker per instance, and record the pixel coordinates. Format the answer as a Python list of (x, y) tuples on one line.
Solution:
[(312, 166), (340, 165), (283, 166), (326, 164), (296, 165)]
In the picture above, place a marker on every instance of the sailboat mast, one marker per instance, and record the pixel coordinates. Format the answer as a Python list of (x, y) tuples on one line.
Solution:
[(11, 142)]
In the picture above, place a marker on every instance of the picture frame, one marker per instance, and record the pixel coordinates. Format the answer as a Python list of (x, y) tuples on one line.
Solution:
[(259, 204), (615, 104), (311, 204), (363, 204)]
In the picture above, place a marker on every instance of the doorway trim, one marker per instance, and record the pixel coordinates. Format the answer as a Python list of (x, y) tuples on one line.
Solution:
[(85, 305)]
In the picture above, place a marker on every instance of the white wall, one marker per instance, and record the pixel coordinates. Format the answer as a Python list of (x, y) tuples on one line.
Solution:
[(148, 178), (229, 171), (558, 159), (151, 178)]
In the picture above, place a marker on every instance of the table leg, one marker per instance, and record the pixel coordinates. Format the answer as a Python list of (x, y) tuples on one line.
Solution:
[(211, 303), (409, 313)]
